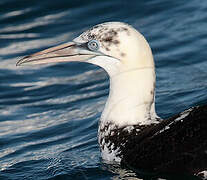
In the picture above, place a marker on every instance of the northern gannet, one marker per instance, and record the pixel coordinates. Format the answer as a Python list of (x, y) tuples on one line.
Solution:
[(130, 132)]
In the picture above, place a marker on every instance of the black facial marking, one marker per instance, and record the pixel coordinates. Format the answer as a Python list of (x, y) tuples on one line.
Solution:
[(106, 35), (109, 37)]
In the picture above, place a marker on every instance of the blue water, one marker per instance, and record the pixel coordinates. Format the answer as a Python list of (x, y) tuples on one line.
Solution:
[(49, 114)]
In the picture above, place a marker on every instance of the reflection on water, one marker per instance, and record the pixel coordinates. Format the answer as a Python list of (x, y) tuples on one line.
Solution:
[(49, 114)]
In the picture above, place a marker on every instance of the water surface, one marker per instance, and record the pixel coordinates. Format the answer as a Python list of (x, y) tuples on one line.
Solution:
[(49, 114)]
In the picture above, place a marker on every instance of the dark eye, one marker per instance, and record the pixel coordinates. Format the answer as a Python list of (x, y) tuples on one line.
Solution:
[(93, 45)]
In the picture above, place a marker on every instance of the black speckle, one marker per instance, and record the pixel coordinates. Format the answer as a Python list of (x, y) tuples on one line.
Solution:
[(107, 49), (123, 54), (100, 31), (91, 36), (119, 137), (116, 41), (123, 29), (95, 27), (108, 39), (112, 32), (110, 36), (106, 35)]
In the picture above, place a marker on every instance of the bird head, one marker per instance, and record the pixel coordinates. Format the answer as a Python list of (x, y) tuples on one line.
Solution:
[(114, 46)]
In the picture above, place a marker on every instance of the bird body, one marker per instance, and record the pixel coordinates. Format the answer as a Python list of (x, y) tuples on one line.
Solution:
[(130, 132)]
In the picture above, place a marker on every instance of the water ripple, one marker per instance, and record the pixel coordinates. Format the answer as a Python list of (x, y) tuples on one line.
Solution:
[(49, 114)]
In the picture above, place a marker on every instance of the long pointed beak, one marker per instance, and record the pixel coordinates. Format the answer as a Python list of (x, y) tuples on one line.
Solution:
[(62, 53)]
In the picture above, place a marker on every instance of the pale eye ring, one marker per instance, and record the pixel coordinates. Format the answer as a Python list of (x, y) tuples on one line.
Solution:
[(93, 45)]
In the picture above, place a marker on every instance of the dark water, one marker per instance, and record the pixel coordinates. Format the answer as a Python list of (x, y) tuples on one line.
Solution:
[(49, 114)]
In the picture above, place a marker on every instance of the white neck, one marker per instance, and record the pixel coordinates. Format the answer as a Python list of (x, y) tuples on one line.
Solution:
[(131, 98), (132, 82)]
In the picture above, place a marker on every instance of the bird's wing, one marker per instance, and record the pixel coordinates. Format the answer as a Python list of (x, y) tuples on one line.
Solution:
[(178, 144)]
